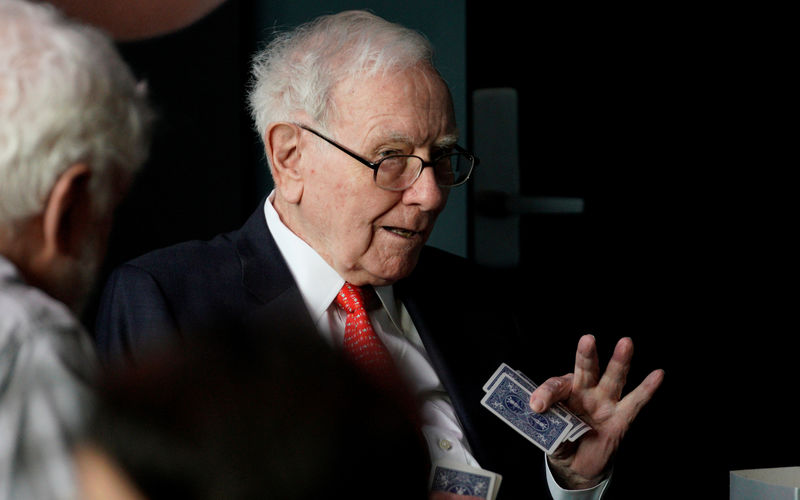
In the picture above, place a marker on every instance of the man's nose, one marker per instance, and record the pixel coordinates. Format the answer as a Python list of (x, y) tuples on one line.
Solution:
[(426, 193)]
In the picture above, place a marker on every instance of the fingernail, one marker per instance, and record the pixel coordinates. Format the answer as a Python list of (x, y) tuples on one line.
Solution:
[(537, 406)]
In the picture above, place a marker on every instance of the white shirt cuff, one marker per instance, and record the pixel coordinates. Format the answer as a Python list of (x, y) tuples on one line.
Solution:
[(559, 493)]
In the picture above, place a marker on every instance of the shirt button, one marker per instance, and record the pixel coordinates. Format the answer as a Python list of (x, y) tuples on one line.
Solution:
[(445, 444)]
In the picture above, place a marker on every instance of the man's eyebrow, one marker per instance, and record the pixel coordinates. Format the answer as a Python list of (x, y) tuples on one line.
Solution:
[(447, 141), (444, 142)]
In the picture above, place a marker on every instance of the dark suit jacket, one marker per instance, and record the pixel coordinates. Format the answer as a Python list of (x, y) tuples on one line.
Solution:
[(240, 277)]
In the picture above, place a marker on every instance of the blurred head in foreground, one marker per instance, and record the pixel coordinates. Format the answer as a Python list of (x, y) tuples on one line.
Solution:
[(74, 128), (284, 418)]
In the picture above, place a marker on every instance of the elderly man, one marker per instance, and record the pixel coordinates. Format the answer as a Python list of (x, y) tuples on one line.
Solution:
[(73, 129), (359, 131)]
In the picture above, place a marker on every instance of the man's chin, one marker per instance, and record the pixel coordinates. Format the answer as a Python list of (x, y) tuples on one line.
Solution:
[(381, 275)]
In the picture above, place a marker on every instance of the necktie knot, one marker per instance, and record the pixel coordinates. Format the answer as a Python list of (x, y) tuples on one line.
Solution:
[(350, 298)]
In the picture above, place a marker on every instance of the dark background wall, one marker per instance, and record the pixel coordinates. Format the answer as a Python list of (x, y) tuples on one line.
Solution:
[(664, 120), (597, 122), (671, 123)]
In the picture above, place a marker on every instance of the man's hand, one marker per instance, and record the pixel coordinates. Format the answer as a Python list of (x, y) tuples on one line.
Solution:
[(597, 401)]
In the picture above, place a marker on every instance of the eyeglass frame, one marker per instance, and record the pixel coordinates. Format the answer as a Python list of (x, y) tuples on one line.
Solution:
[(375, 166)]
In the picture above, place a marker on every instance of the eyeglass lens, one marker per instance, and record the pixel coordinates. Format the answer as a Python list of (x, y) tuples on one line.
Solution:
[(399, 172)]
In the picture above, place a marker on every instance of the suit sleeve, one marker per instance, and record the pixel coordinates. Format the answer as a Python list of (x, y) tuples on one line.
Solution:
[(133, 318)]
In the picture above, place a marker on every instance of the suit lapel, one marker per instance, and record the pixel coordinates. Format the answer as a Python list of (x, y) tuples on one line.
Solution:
[(266, 276), (264, 272)]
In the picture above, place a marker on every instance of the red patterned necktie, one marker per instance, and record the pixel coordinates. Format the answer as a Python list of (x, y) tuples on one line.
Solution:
[(360, 341)]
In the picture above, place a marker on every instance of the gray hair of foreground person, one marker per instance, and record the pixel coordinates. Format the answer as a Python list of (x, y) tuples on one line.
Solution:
[(66, 97), (299, 69)]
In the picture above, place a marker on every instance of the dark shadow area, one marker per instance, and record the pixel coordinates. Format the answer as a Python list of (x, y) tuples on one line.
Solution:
[(256, 426), (652, 116), (200, 179)]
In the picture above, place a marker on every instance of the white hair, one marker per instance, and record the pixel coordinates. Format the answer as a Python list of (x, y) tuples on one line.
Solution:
[(66, 97), (298, 70)]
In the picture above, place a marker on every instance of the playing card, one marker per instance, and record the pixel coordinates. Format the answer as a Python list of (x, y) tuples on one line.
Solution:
[(575, 435), (528, 379), (507, 370), (579, 427), (509, 400), (461, 479)]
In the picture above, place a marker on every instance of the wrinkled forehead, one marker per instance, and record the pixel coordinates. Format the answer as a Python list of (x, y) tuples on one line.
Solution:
[(412, 104)]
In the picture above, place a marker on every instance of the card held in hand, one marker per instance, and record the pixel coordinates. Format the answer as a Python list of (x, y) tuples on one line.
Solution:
[(504, 369), (461, 480), (509, 400), (579, 427)]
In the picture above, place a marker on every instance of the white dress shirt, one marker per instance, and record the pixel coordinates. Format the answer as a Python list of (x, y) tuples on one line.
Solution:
[(319, 284)]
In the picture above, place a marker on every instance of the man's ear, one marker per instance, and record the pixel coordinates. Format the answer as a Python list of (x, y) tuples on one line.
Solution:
[(282, 142), (66, 219)]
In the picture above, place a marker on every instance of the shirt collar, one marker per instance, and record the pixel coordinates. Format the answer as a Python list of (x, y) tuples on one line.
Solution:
[(317, 280), (386, 294)]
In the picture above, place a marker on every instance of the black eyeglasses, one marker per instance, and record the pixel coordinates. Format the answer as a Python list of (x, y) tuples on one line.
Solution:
[(399, 172)]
